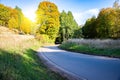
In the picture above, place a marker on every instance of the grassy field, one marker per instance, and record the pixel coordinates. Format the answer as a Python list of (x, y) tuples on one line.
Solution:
[(106, 47), (19, 61)]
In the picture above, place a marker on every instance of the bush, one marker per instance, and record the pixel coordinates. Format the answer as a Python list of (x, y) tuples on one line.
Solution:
[(43, 38)]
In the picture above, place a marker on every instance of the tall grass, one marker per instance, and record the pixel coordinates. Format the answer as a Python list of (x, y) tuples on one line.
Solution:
[(18, 60), (15, 41), (106, 47), (97, 43)]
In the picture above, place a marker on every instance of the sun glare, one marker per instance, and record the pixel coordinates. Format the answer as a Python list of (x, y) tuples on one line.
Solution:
[(30, 14), (31, 17)]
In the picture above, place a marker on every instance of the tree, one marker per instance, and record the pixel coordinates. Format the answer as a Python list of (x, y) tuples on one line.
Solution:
[(13, 21), (116, 4), (48, 19), (106, 23), (89, 29), (4, 15), (72, 24), (63, 21), (116, 33), (26, 26), (68, 26), (20, 17), (78, 33)]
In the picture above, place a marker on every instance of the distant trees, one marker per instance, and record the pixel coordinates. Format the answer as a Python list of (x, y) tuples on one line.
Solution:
[(52, 25), (14, 19), (78, 32), (24, 24), (4, 15), (48, 19), (20, 17), (68, 25), (89, 29), (116, 4), (106, 25)]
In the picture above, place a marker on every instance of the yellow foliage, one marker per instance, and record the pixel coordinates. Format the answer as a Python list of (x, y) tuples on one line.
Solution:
[(12, 23), (48, 19), (26, 25)]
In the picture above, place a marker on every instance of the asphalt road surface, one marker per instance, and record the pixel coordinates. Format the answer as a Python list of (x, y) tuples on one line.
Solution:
[(87, 67)]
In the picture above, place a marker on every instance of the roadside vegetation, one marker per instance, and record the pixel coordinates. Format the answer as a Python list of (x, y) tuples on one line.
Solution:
[(101, 34), (107, 47), (18, 56), (19, 60)]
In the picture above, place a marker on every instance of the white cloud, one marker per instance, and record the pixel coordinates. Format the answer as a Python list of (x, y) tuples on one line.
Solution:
[(93, 11), (81, 17)]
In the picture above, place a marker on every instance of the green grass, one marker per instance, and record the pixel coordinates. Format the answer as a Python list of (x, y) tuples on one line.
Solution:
[(19, 61), (90, 50)]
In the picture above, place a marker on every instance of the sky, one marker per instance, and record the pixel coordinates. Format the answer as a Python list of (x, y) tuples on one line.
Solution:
[(81, 9)]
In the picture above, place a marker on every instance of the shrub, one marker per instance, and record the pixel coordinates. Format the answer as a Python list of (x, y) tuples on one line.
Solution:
[(43, 38)]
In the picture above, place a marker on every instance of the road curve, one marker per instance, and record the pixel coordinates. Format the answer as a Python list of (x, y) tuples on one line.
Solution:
[(86, 67)]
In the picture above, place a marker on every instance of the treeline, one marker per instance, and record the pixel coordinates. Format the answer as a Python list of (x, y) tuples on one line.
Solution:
[(51, 25), (54, 25), (14, 19), (68, 27), (106, 25)]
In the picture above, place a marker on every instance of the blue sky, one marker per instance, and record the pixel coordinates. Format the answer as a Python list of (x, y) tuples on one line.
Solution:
[(81, 9)]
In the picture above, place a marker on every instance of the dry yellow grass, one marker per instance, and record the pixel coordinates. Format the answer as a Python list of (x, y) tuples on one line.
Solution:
[(15, 41), (97, 43), (18, 57), (10, 40)]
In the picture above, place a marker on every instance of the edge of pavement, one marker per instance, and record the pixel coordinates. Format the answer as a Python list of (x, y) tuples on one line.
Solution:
[(56, 68)]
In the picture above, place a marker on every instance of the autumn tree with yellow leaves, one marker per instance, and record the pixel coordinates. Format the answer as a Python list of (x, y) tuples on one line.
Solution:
[(14, 19), (26, 25), (48, 19)]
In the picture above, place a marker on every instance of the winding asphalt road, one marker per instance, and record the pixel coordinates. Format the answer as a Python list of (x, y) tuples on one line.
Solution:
[(86, 67)]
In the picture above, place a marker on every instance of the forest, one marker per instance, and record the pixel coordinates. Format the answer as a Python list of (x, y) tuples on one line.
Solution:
[(53, 26)]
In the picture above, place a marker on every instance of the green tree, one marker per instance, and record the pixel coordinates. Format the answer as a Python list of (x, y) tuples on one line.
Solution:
[(106, 23), (78, 33), (68, 26), (89, 29), (20, 17), (116, 4), (63, 21), (48, 19), (116, 28), (72, 24)]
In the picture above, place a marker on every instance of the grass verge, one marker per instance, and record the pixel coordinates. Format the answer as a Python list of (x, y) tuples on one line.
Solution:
[(110, 52), (19, 61)]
